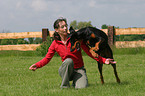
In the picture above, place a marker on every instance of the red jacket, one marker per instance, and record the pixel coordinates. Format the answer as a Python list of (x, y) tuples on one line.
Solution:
[(64, 53)]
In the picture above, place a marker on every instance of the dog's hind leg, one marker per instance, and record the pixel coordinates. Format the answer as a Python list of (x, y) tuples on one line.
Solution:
[(109, 54), (100, 66), (115, 72)]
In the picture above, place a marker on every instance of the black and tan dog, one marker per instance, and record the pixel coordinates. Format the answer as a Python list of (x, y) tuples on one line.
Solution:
[(97, 40)]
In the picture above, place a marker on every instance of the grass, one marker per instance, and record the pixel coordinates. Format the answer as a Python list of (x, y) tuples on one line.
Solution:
[(17, 80), (121, 51)]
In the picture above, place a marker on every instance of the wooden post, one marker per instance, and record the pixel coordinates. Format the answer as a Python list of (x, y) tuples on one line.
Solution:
[(45, 33), (111, 33)]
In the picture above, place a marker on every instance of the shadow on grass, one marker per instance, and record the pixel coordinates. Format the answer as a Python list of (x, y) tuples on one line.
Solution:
[(115, 83), (110, 83)]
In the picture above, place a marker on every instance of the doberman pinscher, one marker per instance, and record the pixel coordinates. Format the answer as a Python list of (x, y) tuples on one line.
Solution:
[(97, 41)]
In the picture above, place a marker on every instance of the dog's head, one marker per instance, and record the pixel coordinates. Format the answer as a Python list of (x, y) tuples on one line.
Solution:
[(75, 42)]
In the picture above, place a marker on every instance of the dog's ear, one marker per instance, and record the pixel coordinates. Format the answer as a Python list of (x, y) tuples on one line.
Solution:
[(71, 30)]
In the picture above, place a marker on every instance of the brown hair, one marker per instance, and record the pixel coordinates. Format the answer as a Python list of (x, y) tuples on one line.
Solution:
[(56, 26)]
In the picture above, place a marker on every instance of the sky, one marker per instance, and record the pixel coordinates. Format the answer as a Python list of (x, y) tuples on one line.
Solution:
[(33, 15)]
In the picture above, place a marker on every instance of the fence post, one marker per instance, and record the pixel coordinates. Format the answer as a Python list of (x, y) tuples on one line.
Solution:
[(111, 33), (45, 33)]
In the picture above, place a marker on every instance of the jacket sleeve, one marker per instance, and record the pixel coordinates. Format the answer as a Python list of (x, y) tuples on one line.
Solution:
[(48, 57), (86, 49)]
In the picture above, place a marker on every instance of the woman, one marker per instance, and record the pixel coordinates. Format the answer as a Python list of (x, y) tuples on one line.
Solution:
[(72, 67)]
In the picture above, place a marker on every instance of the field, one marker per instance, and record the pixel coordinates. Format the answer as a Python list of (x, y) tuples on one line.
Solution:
[(17, 80)]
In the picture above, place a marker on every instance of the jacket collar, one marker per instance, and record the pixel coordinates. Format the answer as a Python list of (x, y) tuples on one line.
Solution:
[(58, 41)]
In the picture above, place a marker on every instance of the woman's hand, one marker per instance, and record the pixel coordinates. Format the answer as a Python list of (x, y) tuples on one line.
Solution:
[(110, 61), (33, 67)]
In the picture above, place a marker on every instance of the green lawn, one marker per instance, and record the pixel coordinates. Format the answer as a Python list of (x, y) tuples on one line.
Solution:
[(17, 80)]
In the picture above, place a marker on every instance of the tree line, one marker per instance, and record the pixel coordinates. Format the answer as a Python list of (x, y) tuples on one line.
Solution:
[(20, 41)]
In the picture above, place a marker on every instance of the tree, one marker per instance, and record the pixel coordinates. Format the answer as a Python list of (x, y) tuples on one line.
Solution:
[(84, 24), (104, 26), (74, 24), (78, 25)]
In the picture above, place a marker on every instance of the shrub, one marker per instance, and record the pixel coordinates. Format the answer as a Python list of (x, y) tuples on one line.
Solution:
[(22, 41), (4, 41), (43, 48)]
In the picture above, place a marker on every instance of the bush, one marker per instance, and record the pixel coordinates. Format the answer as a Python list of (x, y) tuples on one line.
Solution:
[(13, 41), (22, 41), (4, 41), (37, 40), (43, 48)]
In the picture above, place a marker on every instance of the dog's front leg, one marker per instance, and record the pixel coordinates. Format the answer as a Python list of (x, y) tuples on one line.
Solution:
[(94, 54)]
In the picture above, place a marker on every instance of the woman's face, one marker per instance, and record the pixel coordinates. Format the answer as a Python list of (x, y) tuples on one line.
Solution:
[(62, 30)]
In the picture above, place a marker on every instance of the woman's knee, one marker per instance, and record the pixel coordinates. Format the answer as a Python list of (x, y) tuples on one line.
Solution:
[(69, 62), (81, 80), (82, 84)]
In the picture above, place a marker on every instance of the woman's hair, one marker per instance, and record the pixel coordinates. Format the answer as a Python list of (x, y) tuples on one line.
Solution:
[(56, 26)]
